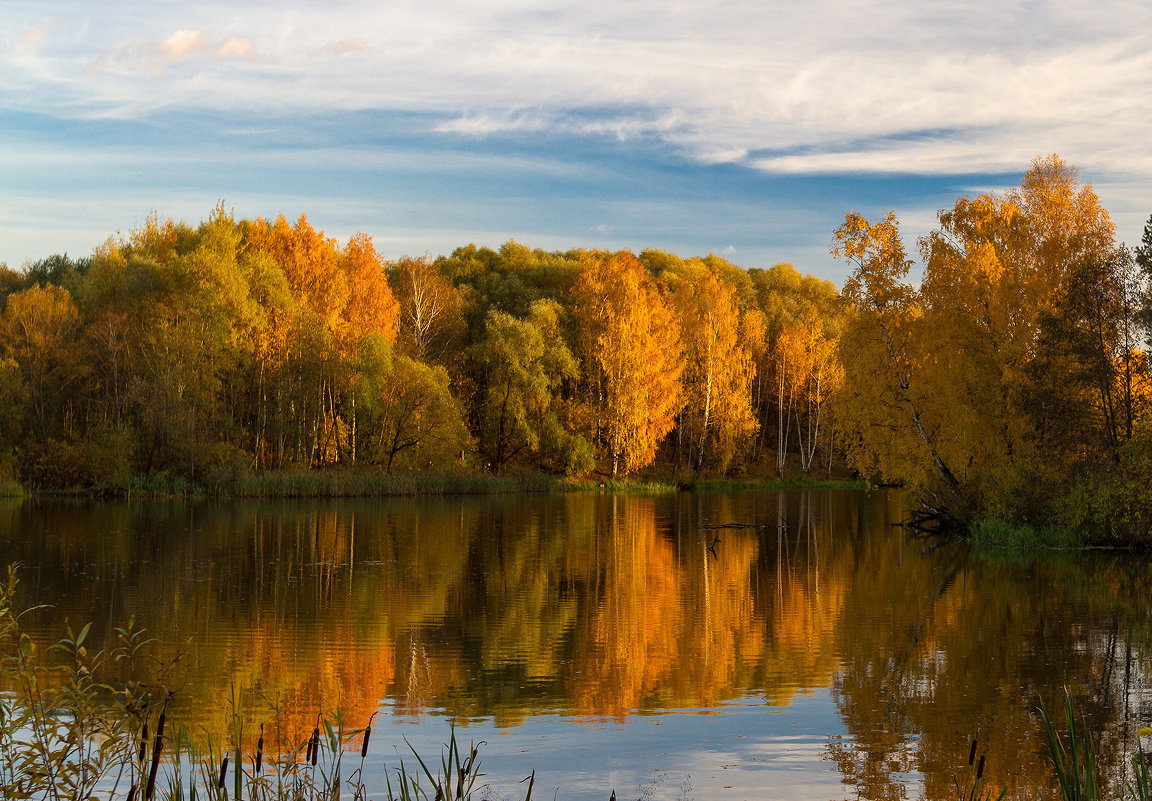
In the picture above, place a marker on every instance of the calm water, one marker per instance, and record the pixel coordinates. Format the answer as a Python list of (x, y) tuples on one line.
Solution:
[(815, 652)]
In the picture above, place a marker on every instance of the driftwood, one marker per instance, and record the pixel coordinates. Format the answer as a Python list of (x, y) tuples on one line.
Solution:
[(927, 522)]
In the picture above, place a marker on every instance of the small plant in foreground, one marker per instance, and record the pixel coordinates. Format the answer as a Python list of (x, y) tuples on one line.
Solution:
[(1076, 764), (1140, 788), (972, 788)]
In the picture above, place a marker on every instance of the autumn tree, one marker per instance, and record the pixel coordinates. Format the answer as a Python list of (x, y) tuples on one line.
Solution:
[(371, 305), (430, 309), (630, 346), (38, 333), (717, 415), (338, 299), (1014, 360), (808, 371), (887, 400), (784, 298), (523, 364)]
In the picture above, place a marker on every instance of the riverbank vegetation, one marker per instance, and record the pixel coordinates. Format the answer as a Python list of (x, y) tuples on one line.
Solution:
[(1008, 383)]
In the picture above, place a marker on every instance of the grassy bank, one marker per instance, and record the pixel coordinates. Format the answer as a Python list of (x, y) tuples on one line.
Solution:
[(362, 483), (730, 485), (1002, 535), (369, 484)]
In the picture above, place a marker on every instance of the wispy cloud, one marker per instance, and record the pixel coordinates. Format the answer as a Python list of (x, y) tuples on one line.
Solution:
[(182, 45), (773, 89), (717, 81), (341, 48)]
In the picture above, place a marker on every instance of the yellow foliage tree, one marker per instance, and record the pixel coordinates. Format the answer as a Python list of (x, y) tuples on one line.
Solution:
[(630, 345), (953, 387), (718, 365)]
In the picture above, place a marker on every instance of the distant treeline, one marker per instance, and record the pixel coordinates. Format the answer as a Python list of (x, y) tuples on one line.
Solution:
[(254, 345), (1010, 383)]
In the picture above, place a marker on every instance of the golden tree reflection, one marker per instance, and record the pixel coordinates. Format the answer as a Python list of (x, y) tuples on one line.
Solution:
[(604, 607)]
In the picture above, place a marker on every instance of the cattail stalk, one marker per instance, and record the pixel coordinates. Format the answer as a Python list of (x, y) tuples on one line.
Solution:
[(157, 747)]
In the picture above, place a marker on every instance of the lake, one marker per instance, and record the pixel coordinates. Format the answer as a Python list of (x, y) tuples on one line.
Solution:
[(759, 644)]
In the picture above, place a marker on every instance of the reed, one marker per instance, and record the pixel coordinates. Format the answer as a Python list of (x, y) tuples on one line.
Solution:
[(1076, 763), (1074, 759), (1140, 788), (972, 787), (996, 535)]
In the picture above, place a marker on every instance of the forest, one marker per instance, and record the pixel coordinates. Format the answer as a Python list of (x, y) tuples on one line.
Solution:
[(1002, 378)]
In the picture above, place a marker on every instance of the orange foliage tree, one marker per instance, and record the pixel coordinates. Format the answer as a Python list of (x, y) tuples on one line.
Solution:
[(630, 344)]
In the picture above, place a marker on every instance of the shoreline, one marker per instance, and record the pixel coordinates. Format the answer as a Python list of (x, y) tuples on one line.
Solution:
[(371, 484)]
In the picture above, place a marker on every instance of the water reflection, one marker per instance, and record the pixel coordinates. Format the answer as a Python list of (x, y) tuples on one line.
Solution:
[(599, 608)]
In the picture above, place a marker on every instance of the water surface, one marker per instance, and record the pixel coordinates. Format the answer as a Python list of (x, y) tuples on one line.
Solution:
[(742, 645)]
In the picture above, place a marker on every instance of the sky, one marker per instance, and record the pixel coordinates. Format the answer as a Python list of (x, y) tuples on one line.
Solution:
[(746, 128)]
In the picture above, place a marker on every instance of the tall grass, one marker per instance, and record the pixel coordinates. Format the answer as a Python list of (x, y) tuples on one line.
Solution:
[(1075, 761), (620, 486)]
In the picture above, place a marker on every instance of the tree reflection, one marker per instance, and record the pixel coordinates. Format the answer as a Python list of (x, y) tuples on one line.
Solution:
[(605, 606)]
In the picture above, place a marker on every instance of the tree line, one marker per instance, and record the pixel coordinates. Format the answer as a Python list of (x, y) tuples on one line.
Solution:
[(197, 351), (1008, 380)]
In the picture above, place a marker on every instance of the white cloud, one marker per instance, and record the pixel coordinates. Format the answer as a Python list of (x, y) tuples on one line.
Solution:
[(341, 48), (181, 45), (835, 86), (238, 46)]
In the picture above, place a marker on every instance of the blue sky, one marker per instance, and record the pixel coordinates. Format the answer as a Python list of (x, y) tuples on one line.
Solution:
[(745, 128)]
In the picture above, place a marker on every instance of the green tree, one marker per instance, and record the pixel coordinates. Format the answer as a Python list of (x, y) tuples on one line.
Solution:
[(524, 363), (13, 410), (415, 421)]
